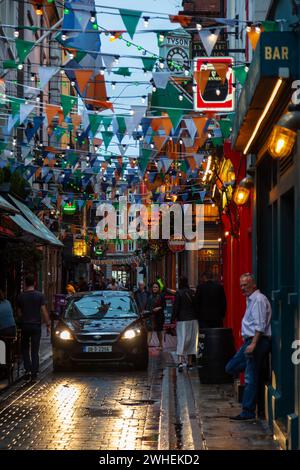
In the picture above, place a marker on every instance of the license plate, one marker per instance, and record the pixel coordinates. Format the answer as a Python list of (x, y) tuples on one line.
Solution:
[(96, 349)]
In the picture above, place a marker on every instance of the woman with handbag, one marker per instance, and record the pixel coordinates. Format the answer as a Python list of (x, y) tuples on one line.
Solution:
[(186, 324), (155, 322)]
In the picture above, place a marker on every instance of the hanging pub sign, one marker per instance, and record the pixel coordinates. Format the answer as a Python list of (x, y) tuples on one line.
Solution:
[(213, 80)]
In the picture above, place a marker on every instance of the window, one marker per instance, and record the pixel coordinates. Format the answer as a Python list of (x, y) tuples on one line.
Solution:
[(119, 245), (131, 245)]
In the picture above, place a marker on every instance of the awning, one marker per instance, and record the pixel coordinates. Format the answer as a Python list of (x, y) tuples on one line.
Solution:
[(6, 207), (30, 232), (267, 90), (31, 224)]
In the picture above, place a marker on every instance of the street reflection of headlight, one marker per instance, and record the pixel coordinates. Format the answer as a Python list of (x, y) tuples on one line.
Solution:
[(130, 334), (64, 334)]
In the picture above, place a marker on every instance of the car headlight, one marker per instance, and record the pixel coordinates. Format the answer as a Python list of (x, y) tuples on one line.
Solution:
[(131, 333), (64, 334)]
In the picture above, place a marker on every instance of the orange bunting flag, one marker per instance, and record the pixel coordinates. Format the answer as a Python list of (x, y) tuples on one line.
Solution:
[(96, 89), (253, 38), (159, 141), (156, 123), (60, 117), (184, 20), (167, 125), (201, 78), (200, 124), (51, 112), (82, 78), (192, 163), (221, 70), (76, 120)]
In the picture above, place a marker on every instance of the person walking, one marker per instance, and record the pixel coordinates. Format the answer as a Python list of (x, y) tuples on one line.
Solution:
[(186, 324), (141, 297), (31, 310), (7, 321), (155, 322), (210, 302), (256, 333)]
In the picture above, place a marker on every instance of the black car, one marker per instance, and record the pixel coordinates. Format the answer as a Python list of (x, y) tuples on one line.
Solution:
[(100, 327)]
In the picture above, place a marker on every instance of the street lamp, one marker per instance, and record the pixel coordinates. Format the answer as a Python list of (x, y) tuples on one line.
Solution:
[(242, 192), (284, 134)]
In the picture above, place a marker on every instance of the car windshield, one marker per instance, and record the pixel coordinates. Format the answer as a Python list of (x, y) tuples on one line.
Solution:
[(101, 306)]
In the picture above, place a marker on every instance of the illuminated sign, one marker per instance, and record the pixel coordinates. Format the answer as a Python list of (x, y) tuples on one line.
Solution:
[(69, 208), (213, 80)]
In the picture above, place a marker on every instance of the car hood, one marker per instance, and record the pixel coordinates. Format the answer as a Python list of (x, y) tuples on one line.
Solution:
[(115, 325)]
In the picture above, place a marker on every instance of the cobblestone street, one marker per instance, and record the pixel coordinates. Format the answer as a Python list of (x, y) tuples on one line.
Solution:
[(107, 409)]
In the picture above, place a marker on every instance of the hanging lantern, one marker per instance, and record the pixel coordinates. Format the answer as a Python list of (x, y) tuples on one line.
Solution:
[(38, 10), (79, 247), (242, 192), (281, 142)]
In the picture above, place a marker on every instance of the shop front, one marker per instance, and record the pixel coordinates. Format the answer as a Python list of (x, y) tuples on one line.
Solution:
[(276, 216)]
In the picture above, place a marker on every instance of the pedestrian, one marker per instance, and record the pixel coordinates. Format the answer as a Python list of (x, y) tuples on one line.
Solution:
[(7, 321), (31, 310), (186, 324), (82, 285), (155, 321), (210, 302), (256, 333), (113, 285), (141, 297)]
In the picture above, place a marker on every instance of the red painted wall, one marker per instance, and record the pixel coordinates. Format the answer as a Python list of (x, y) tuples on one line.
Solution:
[(237, 254)]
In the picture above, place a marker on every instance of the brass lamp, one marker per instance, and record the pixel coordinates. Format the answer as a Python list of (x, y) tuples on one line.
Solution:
[(284, 134), (242, 192)]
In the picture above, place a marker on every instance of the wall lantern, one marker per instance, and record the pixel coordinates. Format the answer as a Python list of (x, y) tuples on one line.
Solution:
[(242, 192), (283, 136), (79, 248)]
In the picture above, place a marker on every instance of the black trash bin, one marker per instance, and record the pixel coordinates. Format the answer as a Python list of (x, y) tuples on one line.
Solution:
[(216, 347)]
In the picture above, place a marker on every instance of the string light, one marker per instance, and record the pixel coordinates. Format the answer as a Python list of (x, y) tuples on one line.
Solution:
[(102, 70), (93, 17), (198, 27), (117, 59), (146, 21), (154, 88), (63, 36), (257, 29), (20, 66), (161, 37), (180, 97), (16, 33), (161, 63), (143, 99), (72, 83), (38, 10), (32, 77), (113, 85)]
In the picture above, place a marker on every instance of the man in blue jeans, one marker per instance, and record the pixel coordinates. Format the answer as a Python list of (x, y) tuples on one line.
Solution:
[(256, 333), (31, 309)]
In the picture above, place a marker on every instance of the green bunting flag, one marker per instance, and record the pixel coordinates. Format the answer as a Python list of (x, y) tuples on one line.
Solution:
[(15, 104), (148, 63), (3, 146), (121, 124), (226, 127), (175, 116), (217, 141), (240, 74), (107, 136), (10, 64), (23, 48), (106, 121), (144, 159), (130, 19), (95, 121), (124, 71), (67, 103), (270, 26)]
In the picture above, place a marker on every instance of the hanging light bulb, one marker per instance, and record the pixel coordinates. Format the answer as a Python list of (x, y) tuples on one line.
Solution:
[(93, 17), (14, 142), (186, 71), (152, 146), (62, 72), (218, 92), (180, 97), (194, 88), (161, 64), (72, 83), (63, 36), (102, 70), (246, 68), (38, 10), (117, 59), (38, 99), (113, 85), (161, 37), (16, 33), (71, 56), (131, 112), (181, 141), (209, 135), (257, 29), (154, 88), (143, 99), (146, 21), (20, 66), (32, 77), (205, 66), (198, 26)]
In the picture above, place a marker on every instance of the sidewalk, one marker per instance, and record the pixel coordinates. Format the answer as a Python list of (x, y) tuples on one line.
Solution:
[(45, 355), (197, 415)]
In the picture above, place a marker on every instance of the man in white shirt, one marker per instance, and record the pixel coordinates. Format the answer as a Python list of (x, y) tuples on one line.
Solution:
[(256, 333)]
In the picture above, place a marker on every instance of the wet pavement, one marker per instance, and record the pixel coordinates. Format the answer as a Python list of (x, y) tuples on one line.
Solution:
[(99, 410)]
